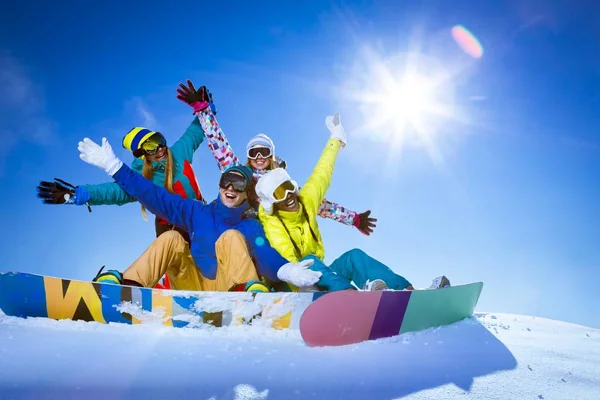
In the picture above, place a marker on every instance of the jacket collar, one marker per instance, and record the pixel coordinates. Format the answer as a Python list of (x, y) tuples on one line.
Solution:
[(230, 215), (293, 217), (159, 165)]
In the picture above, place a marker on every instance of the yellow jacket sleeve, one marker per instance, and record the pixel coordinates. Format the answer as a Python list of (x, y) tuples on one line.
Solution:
[(313, 191)]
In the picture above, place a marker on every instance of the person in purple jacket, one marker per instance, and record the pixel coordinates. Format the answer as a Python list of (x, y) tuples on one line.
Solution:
[(228, 250)]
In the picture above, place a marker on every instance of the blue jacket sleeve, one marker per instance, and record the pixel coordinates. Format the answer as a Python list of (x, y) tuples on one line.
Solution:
[(268, 260), (189, 142), (172, 207)]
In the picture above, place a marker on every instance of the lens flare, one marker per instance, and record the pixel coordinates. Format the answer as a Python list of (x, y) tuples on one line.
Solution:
[(467, 41)]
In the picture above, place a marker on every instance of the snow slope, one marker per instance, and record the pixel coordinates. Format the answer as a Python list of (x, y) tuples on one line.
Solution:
[(489, 356)]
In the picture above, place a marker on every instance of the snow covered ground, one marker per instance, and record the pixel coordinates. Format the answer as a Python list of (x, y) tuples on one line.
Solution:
[(489, 356)]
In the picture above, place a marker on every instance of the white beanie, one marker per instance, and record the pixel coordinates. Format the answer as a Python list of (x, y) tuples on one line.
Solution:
[(267, 184), (261, 140)]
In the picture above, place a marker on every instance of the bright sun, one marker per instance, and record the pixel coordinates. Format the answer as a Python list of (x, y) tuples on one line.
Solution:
[(404, 100)]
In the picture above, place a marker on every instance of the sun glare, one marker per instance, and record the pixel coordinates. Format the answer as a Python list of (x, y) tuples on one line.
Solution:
[(404, 99), (408, 99)]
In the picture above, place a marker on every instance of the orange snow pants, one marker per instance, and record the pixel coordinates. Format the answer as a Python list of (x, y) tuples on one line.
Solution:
[(170, 254)]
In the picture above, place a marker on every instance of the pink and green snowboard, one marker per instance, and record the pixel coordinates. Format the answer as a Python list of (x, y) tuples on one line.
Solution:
[(346, 317)]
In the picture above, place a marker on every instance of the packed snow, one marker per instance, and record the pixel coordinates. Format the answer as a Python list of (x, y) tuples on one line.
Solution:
[(488, 356)]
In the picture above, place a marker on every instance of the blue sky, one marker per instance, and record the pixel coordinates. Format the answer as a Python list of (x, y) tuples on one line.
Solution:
[(506, 192)]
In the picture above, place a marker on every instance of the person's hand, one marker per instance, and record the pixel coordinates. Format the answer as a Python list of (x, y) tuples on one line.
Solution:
[(364, 223), (334, 124), (99, 156), (298, 273), (61, 192), (199, 99)]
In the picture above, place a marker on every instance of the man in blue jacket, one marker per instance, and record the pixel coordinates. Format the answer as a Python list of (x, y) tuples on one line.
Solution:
[(228, 251)]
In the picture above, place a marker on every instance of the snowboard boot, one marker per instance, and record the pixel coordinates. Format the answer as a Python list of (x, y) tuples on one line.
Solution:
[(375, 285), (440, 282), (256, 287), (252, 286), (113, 277)]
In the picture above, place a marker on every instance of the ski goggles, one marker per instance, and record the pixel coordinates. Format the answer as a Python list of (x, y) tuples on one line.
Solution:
[(151, 145), (238, 182), (254, 152), (280, 193)]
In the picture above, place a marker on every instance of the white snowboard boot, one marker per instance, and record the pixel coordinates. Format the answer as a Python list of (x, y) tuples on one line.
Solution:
[(375, 285), (440, 282)]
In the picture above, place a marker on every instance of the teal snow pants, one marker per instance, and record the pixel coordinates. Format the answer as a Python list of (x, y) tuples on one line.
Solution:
[(354, 266)]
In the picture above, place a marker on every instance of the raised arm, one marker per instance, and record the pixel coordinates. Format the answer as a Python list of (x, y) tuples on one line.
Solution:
[(318, 183), (336, 212), (170, 206), (361, 221), (189, 142), (109, 193), (217, 141), (158, 200), (202, 103)]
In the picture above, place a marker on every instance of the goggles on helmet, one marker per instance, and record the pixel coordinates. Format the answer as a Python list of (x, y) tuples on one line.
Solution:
[(280, 193), (238, 182), (151, 145), (254, 152)]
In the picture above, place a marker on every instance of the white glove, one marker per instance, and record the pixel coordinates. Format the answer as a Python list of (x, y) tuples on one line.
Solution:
[(298, 273), (334, 124), (102, 157)]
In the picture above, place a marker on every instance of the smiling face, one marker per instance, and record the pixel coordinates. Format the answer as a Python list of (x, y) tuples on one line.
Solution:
[(260, 163), (286, 196), (290, 203), (160, 154), (154, 148), (233, 189), (260, 157)]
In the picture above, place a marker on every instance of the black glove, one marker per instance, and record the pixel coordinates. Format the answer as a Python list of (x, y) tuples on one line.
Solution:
[(61, 192), (197, 99), (364, 224)]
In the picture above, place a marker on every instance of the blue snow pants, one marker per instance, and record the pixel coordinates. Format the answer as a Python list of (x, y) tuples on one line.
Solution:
[(354, 266)]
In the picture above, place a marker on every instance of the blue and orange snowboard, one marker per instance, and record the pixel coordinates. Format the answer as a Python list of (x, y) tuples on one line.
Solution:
[(29, 295), (347, 317)]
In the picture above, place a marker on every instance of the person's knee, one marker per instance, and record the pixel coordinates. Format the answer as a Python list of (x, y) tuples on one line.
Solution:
[(231, 236), (171, 238), (230, 241), (355, 253)]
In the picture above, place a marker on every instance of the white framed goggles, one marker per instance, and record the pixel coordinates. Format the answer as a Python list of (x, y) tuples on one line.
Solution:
[(280, 193), (254, 152)]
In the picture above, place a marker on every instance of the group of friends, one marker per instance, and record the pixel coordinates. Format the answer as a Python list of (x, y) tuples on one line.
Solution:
[(260, 233)]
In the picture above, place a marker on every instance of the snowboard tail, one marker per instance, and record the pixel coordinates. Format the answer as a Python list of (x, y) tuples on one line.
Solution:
[(347, 317), (29, 295)]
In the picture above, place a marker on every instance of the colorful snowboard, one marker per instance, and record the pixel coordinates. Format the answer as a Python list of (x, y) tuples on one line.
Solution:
[(347, 317), (28, 295)]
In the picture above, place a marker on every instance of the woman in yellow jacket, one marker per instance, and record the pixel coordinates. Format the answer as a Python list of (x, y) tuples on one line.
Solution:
[(289, 217)]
